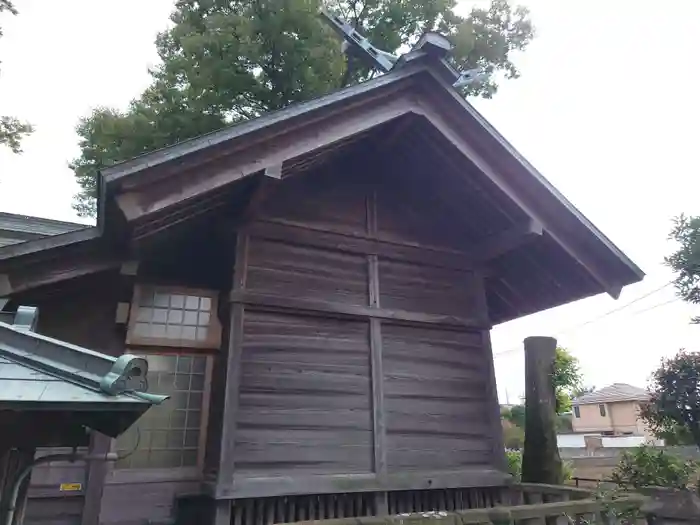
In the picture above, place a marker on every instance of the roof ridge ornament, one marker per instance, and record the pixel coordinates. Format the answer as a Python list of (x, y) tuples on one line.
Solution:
[(431, 42), (128, 374)]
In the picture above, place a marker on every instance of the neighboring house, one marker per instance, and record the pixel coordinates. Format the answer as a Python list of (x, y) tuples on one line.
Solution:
[(15, 228), (315, 289), (611, 411)]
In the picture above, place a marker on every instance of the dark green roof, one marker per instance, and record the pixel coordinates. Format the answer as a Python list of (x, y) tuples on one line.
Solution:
[(40, 372)]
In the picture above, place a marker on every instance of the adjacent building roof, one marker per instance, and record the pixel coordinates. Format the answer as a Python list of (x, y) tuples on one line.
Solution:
[(613, 393), (41, 373), (15, 228)]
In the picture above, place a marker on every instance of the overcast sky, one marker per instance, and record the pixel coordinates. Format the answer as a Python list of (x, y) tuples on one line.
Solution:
[(607, 109)]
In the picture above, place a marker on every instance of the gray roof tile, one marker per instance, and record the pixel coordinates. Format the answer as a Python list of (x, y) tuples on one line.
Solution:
[(613, 393)]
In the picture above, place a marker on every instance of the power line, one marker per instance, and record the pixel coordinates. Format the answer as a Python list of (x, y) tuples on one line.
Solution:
[(606, 314), (656, 306), (615, 310)]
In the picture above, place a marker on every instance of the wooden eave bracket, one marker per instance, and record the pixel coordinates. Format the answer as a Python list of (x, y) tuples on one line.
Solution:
[(506, 241), (274, 172)]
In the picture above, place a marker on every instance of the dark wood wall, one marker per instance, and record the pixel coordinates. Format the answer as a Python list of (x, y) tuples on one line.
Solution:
[(356, 356), (360, 357)]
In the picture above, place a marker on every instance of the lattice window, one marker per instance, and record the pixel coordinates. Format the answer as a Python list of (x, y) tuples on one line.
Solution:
[(174, 317), (170, 435)]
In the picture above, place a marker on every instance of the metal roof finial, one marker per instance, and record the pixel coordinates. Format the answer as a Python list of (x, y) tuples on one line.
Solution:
[(431, 43)]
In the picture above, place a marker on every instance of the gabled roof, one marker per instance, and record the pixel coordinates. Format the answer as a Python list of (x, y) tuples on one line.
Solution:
[(16, 228), (145, 196), (41, 373), (613, 393)]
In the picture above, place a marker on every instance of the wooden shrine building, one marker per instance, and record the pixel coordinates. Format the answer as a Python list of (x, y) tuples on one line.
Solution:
[(315, 289)]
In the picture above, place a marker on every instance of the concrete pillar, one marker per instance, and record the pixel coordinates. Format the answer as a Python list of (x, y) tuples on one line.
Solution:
[(541, 461)]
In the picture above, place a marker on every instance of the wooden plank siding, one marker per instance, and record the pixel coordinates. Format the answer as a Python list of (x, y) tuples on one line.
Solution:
[(362, 363), (304, 401)]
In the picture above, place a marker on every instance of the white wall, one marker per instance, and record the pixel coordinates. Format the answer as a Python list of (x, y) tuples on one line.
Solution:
[(577, 441)]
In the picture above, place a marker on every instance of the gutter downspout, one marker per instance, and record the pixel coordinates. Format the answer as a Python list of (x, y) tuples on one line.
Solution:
[(12, 504)]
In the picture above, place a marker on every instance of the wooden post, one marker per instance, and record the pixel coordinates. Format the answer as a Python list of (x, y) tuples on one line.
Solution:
[(96, 472), (541, 461)]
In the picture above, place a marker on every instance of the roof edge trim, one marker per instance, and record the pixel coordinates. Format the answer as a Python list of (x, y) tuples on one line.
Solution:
[(163, 155)]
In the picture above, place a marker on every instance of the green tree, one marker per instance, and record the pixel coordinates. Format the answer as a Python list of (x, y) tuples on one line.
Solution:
[(566, 378), (674, 404), (514, 415), (223, 61), (685, 261), (12, 130)]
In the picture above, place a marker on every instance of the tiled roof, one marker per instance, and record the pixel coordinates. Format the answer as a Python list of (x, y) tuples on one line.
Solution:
[(613, 393)]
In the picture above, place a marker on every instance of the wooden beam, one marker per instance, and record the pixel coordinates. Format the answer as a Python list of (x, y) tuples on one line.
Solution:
[(493, 406), (52, 271), (276, 230), (233, 366), (376, 363), (158, 196), (505, 242), (249, 487), (331, 309), (261, 193)]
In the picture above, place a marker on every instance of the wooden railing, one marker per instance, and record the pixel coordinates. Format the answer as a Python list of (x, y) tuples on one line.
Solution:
[(518, 504)]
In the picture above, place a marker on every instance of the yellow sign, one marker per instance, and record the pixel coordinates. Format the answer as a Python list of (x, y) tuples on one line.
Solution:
[(71, 487)]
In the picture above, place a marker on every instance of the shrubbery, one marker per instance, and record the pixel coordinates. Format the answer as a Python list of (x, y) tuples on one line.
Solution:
[(515, 466), (649, 466)]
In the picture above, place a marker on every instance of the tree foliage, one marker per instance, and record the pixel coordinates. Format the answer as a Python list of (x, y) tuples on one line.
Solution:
[(674, 404), (685, 261), (513, 435), (515, 415), (223, 61), (12, 130), (566, 378), (648, 466)]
